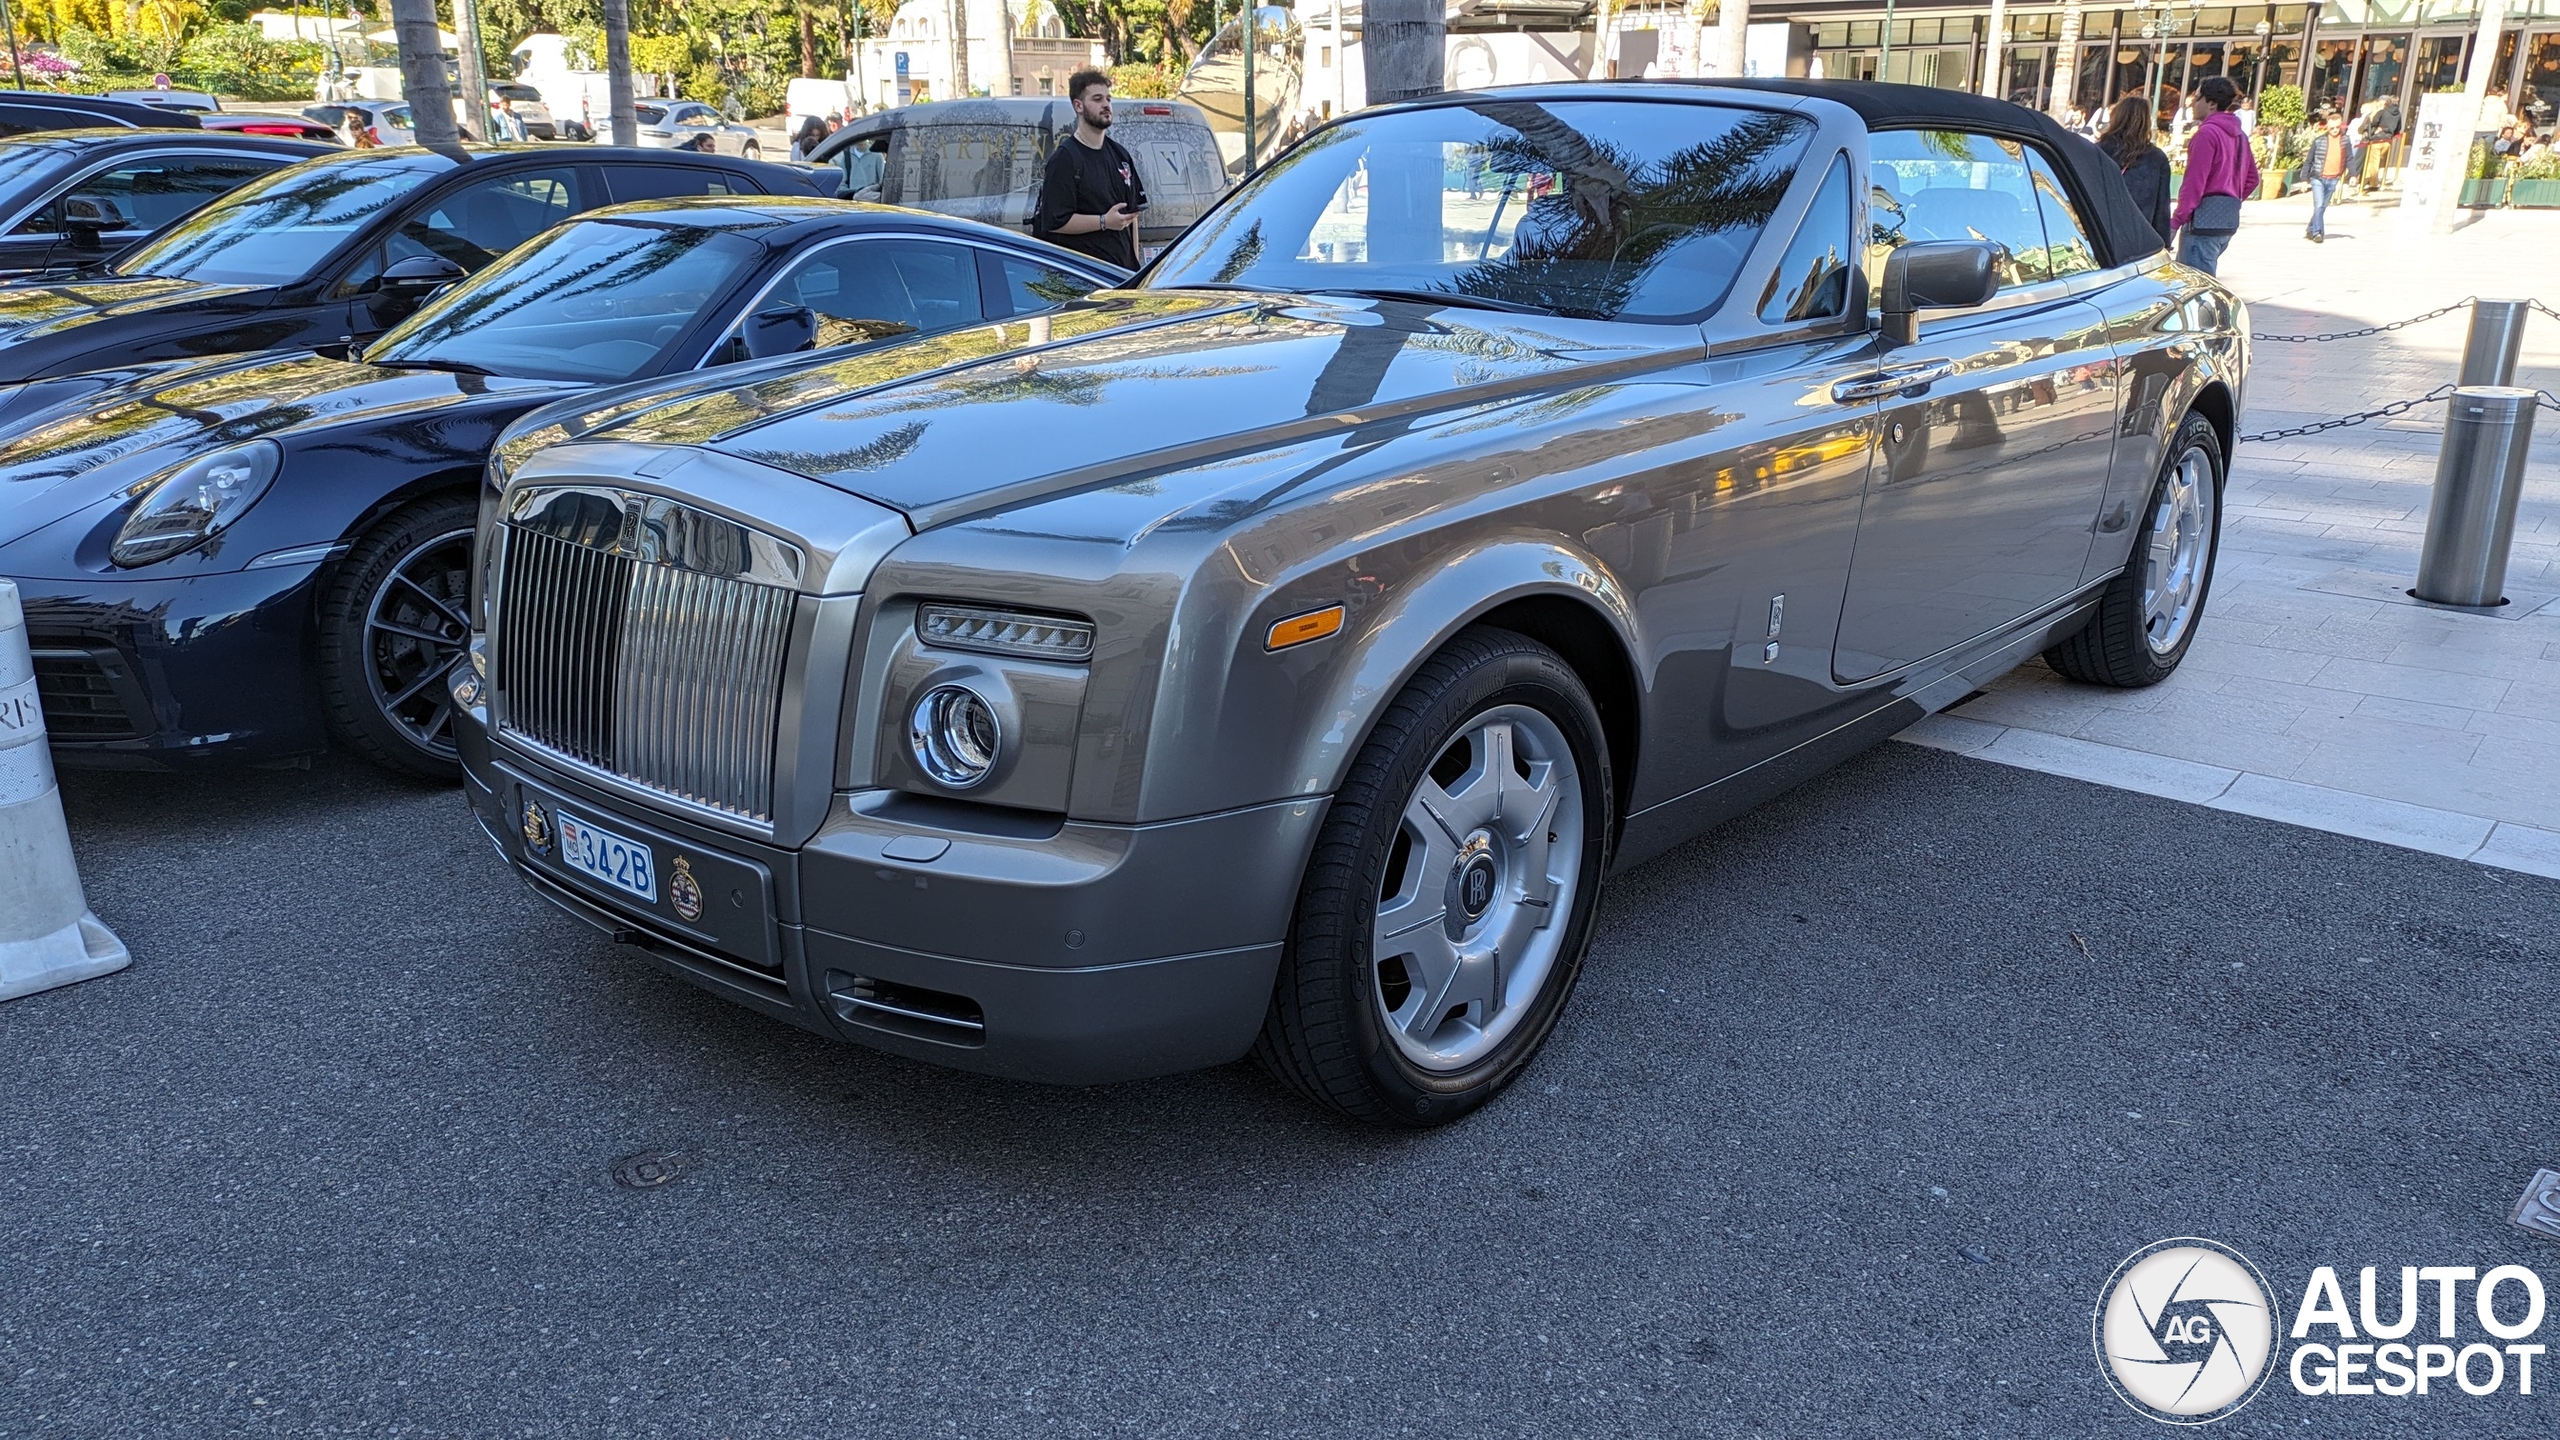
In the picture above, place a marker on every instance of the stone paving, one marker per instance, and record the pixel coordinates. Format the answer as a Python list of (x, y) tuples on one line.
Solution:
[(2318, 692)]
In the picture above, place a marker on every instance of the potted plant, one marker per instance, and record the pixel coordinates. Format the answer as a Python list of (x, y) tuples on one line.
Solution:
[(2481, 181), (2537, 183)]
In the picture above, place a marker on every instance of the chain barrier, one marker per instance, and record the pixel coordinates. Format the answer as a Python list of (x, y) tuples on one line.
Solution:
[(2384, 329), (2396, 407), (2545, 309)]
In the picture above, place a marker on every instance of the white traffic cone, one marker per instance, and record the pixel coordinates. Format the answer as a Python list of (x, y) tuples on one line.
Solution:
[(47, 935)]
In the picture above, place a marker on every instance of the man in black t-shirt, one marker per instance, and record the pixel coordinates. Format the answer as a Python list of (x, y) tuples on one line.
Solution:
[(1090, 197)]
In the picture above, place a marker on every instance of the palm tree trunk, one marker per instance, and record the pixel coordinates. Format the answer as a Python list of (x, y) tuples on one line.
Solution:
[(413, 23), (624, 125), (1404, 49), (959, 50), (1733, 37), (1003, 82), (808, 40), (470, 69)]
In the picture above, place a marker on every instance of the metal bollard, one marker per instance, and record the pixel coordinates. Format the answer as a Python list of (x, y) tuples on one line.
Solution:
[(2479, 479), (2497, 336), (47, 935)]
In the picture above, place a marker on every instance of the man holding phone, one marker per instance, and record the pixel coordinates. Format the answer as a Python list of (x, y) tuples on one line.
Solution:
[(1090, 197)]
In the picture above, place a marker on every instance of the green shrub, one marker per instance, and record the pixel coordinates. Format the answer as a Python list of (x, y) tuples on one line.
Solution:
[(2541, 167), (2281, 107), (1142, 82)]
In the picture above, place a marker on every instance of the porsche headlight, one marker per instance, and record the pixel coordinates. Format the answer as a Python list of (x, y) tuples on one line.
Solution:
[(181, 509)]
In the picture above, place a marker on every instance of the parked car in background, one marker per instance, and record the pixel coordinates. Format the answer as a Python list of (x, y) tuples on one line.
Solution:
[(687, 125), (194, 102), (25, 110), (983, 159), (70, 200), (332, 252), (1277, 657), (292, 127), (538, 122), (255, 557), (388, 121)]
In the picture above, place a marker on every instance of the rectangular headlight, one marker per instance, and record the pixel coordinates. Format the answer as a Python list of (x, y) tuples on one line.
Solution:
[(1004, 632)]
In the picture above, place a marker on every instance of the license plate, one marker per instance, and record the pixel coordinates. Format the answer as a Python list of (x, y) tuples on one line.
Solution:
[(626, 865)]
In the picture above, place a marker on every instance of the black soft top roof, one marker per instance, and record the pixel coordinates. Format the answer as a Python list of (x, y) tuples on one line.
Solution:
[(2098, 187)]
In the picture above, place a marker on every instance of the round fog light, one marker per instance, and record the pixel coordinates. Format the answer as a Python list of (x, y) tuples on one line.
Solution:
[(955, 735)]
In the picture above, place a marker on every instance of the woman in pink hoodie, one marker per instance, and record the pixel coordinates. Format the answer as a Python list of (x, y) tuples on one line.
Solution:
[(2218, 163)]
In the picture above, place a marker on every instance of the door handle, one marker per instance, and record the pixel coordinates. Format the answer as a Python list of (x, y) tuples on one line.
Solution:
[(1901, 380)]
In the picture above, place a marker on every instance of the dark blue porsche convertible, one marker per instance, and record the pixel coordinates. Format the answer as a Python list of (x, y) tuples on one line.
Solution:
[(251, 556)]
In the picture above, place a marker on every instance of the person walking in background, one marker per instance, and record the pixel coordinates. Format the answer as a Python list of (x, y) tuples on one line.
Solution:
[(2220, 171), (1090, 195), (2325, 165), (2129, 142), (807, 138)]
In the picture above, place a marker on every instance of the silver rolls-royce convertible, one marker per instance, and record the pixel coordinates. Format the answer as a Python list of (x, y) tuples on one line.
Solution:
[(1277, 655)]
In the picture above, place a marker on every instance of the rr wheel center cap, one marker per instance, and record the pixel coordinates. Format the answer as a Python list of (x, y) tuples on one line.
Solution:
[(1476, 878)]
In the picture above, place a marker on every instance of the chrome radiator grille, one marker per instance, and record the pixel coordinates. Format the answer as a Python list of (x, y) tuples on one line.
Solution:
[(642, 666)]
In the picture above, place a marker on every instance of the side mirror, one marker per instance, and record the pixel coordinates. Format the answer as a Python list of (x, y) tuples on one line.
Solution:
[(779, 332), (1936, 275), (87, 219), (405, 283)]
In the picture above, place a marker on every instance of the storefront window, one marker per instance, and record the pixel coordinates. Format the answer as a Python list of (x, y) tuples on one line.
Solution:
[(2386, 62), (2542, 80), (2333, 68), (2440, 63)]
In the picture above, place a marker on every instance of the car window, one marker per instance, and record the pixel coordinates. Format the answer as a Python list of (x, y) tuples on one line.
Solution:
[(1954, 185), (154, 193), (703, 119), (871, 289), (648, 115), (477, 223), (661, 182), (2067, 250), (274, 229), (600, 300), (1812, 282), (1626, 209), (1031, 286)]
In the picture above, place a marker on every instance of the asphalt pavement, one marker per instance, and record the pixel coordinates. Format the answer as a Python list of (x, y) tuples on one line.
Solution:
[(1861, 1101)]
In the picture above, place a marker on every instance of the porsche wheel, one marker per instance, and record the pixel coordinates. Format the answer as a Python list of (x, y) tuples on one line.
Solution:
[(1444, 914), (2147, 617), (392, 627)]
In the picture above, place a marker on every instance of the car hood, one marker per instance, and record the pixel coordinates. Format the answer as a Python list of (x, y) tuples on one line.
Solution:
[(1121, 385), (34, 310), (67, 444)]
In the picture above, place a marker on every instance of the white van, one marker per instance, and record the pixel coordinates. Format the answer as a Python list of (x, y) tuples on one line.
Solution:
[(826, 99), (983, 160)]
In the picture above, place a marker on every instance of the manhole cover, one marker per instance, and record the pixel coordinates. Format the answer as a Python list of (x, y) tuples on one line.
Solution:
[(647, 1170)]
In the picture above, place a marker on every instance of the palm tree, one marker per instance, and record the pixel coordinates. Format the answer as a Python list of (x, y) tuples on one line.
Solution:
[(1403, 49), (470, 69), (413, 23), (625, 124)]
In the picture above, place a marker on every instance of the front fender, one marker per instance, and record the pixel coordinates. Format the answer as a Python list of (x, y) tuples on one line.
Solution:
[(1380, 650)]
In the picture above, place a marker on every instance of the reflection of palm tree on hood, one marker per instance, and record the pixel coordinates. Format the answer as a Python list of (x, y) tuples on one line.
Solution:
[(1614, 220)]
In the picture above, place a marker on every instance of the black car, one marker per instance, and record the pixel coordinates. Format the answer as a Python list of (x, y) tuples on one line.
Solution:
[(332, 252), (25, 110), (70, 199), (245, 556)]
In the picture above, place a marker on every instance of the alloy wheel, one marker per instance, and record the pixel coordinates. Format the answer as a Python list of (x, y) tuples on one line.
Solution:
[(1478, 883), (415, 631), (2176, 553)]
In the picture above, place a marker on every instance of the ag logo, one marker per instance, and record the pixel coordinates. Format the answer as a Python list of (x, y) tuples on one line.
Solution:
[(537, 828), (684, 892), (2185, 1331)]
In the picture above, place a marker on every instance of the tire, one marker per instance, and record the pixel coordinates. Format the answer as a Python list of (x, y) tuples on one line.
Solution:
[(1431, 819), (391, 626), (2147, 616)]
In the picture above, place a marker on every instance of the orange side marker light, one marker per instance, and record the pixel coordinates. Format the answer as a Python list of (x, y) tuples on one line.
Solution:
[(1300, 629)]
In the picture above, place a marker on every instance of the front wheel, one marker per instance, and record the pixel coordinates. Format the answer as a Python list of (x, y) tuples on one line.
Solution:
[(1444, 914), (2147, 616), (392, 626)]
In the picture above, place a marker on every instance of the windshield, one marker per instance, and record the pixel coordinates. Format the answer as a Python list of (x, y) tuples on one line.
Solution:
[(648, 115), (1624, 209), (594, 300), (276, 230)]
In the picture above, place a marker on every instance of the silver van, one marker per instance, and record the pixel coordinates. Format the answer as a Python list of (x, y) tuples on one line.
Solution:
[(982, 159)]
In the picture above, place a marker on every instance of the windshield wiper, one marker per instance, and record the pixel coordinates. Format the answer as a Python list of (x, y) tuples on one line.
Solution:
[(450, 367), (1434, 297)]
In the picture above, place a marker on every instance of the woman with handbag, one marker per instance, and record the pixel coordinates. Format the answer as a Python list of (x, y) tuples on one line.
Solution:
[(2220, 172)]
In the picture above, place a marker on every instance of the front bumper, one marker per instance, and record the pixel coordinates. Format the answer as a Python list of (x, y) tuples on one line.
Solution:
[(152, 673), (1078, 954)]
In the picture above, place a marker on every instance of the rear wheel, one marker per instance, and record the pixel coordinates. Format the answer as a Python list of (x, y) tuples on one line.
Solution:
[(2147, 616), (1444, 915), (392, 627)]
